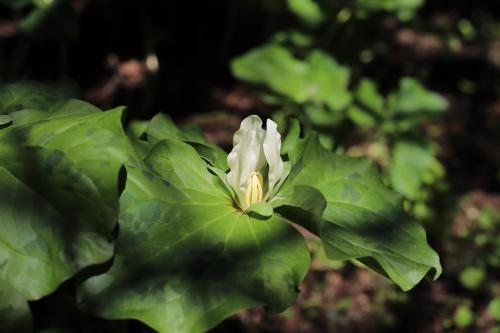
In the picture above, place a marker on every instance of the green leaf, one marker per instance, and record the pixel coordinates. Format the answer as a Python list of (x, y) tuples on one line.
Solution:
[(276, 67), (369, 104), (367, 94), (306, 10), (59, 189), (135, 133), (292, 136), (180, 164), (463, 316), (212, 154), (137, 128), (300, 39), (34, 95), (318, 79), (362, 218), (412, 165), (494, 308), (223, 180), (361, 117), (404, 9), (5, 121), (328, 81), (305, 203), (187, 258), (409, 106), (14, 311), (260, 210), (412, 97), (321, 116), (472, 277), (162, 127)]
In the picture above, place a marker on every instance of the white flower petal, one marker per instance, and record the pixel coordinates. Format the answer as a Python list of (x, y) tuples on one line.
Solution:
[(272, 147), (248, 124), (247, 155)]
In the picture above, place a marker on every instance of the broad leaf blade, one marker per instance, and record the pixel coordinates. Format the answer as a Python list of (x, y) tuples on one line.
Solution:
[(362, 218), (32, 95), (186, 259), (161, 127), (59, 186)]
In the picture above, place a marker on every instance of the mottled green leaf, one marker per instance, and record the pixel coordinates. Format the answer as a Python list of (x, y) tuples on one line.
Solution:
[(34, 95), (162, 127), (186, 257), (59, 189), (362, 219)]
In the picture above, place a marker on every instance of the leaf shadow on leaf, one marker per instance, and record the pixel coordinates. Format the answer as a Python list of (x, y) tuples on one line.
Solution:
[(45, 206), (389, 249), (209, 272), (362, 218), (38, 172), (203, 264), (60, 310)]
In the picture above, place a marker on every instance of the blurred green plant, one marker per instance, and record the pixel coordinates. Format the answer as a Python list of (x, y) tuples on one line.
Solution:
[(472, 277), (45, 19), (475, 239), (403, 9), (494, 308), (308, 11), (317, 85), (315, 89), (463, 316)]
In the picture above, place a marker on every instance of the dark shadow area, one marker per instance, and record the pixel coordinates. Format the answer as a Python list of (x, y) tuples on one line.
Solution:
[(59, 311)]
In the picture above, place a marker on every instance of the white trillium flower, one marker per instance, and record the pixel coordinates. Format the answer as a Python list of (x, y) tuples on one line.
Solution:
[(255, 152)]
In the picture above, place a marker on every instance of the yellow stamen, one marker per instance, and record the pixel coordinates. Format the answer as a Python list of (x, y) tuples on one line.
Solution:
[(255, 185)]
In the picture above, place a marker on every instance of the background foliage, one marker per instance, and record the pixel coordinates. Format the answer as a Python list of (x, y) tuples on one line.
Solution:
[(411, 84)]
